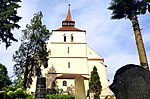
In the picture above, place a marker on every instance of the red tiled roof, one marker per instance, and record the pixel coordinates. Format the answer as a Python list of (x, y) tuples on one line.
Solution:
[(68, 28), (71, 76), (95, 59)]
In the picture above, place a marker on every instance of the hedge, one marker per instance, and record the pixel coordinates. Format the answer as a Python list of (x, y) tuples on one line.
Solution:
[(59, 96)]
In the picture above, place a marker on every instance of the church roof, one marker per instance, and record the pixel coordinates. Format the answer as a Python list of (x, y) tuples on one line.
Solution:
[(68, 28), (68, 24), (71, 76)]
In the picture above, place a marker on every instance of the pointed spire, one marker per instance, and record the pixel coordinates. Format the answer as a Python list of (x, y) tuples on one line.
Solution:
[(68, 17), (68, 21), (68, 24)]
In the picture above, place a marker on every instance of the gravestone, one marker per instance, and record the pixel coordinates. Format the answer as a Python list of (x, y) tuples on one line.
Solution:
[(79, 88), (131, 82), (40, 88)]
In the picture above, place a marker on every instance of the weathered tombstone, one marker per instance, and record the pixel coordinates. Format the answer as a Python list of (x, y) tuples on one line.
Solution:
[(131, 82), (79, 88), (40, 88)]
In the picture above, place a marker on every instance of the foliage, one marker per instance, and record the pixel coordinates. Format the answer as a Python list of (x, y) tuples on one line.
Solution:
[(144, 6), (95, 84), (53, 89), (8, 20), (125, 8), (53, 96), (32, 53), (4, 78), (14, 92)]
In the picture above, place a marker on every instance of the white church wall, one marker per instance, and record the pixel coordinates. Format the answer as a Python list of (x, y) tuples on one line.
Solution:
[(67, 50), (70, 85), (61, 65), (58, 36)]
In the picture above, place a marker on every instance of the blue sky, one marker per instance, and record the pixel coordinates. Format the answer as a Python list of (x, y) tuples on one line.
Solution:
[(112, 39)]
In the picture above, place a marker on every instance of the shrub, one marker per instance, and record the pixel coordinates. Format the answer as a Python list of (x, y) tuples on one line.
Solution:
[(53, 96), (12, 92)]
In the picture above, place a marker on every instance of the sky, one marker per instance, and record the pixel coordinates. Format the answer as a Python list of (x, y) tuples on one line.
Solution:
[(112, 39)]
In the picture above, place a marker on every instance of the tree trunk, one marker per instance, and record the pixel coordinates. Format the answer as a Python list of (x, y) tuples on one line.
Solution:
[(139, 42)]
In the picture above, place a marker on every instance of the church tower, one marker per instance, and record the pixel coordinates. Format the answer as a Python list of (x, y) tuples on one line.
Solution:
[(70, 56)]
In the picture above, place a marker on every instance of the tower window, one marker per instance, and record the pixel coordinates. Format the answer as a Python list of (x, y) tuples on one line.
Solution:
[(71, 37), (68, 64), (64, 38), (64, 83), (68, 50)]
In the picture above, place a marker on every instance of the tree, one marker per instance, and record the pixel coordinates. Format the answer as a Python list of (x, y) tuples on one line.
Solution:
[(4, 78), (32, 53), (8, 20), (130, 9), (95, 84), (53, 87)]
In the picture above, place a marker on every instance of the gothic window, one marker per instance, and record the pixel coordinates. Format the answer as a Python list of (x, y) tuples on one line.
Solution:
[(64, 38), (64, 83), (71, 37)]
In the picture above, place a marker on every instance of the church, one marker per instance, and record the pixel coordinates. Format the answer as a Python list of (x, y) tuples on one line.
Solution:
[(70, 56)]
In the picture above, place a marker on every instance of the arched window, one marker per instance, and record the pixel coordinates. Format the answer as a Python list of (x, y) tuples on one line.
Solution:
[(64, 37), (64, 83), (71, 37)]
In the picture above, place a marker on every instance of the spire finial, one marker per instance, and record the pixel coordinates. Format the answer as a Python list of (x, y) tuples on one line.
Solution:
[(68, 21), (68, 17), (69, 6)]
